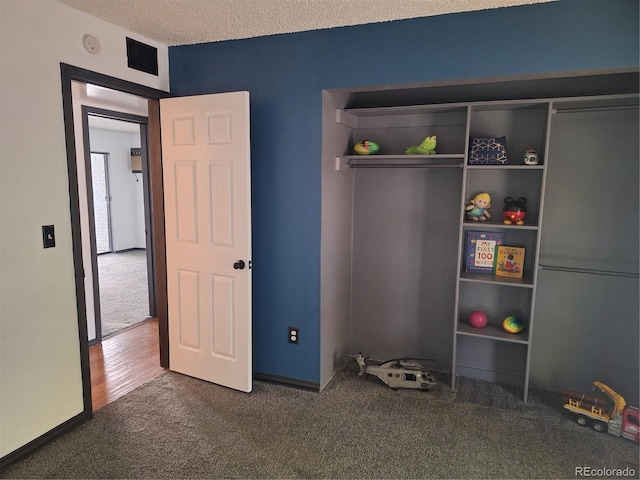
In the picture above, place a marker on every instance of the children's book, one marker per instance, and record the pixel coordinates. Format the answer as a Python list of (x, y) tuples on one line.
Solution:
[(509, 262), (481, 248)]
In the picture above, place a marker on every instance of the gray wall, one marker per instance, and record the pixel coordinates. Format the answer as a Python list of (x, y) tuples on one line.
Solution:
[(337, 225), (405, 253)]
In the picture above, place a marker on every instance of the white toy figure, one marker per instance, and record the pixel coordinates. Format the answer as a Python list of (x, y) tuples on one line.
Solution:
[(530, 157)]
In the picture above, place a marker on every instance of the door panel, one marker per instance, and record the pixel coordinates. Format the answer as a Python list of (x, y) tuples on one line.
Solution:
[(206, 167), (221, 210), (188, 310), (186, 209), (223, 295)]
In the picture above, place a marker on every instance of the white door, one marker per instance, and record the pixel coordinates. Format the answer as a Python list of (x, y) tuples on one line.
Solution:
[(206, 168)]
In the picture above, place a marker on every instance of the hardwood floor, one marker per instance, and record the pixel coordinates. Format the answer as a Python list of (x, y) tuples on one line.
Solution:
[(123, 362)]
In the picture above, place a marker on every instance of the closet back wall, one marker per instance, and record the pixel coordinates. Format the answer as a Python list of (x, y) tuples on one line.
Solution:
[(285, 75), (405, 233)]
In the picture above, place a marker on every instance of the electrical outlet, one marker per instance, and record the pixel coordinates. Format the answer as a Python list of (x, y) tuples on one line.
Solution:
[(294, 335)]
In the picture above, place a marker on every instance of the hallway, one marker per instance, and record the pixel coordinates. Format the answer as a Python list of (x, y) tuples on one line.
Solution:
[(124, 290)]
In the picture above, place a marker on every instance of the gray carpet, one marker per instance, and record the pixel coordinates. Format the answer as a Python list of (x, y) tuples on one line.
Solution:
[(179, 427), (124, 294)]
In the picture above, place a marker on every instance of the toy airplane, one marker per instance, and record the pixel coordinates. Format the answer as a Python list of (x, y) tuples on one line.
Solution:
[(398, 373)]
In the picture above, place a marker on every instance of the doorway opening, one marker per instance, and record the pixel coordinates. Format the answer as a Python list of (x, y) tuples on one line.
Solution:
[(118, 199), (74, 79)]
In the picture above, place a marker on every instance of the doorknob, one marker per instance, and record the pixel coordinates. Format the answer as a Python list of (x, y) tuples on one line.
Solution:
[(239, 265)]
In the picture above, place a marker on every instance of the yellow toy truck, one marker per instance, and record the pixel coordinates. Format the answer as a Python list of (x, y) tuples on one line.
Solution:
[(618, 419)]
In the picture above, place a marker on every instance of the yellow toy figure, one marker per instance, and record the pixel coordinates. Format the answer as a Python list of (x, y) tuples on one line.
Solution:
[(477, 211)]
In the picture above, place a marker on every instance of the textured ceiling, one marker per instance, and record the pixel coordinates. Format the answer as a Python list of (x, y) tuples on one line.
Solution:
[(183, 22)]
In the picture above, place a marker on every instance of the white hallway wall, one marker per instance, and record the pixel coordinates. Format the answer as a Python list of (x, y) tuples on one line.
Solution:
[(127, 203), (40, 379)]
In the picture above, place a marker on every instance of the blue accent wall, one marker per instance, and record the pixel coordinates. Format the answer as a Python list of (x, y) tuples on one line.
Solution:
[(285, 75)]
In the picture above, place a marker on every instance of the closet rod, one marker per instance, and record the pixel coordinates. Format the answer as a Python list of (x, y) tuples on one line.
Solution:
[(610, 273), (593, 109), (404, 165)]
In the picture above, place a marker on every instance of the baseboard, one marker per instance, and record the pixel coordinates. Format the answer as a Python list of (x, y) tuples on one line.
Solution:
[(489, 375), (290, 382), (42, 440)]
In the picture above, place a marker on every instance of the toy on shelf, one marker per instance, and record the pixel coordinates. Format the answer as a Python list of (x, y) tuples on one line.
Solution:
[(397, 373), (427, 147), (366, 147), (514, 211), (618, 419), (478, 319), (513, 324), (530, 157), (478, 210)]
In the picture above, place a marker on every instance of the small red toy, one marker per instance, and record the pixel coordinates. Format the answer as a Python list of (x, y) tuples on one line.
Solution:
[(514, 211)]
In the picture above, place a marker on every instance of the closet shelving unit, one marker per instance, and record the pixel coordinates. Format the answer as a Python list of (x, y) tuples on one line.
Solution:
[(492, 353), (489, 353)]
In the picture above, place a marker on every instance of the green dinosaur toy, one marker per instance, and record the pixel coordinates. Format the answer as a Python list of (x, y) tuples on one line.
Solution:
[(427, 147)]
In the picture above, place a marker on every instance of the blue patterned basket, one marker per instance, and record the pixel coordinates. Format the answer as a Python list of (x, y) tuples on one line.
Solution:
[(488, 151)]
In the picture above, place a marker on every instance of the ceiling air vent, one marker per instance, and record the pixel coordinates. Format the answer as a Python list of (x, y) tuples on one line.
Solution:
[(142, 57)]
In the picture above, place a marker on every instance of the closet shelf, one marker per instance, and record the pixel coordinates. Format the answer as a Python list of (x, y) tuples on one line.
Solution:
[(492, 332), (404, 161), (495, 225), (506, 166), (525, 282)]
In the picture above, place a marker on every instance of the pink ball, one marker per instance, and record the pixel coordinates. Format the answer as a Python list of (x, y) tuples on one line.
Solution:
[(478, 319)]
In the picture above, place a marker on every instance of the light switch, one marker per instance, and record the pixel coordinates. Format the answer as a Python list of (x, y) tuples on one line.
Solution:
[(48, 236)]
